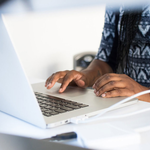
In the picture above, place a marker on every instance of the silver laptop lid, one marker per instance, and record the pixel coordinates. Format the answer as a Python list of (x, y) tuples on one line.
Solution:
[(16, 95)]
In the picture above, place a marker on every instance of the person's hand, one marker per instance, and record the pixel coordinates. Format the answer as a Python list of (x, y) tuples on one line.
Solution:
[(113, 85), (66, 78)]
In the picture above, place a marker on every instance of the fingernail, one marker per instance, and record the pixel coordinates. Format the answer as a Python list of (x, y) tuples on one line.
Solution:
[(97, 93), (48, 84), (103, 95), (93, 86), (94, 91), (60, 90)]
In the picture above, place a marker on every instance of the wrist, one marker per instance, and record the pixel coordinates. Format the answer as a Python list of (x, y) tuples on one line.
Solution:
[(145, 97), (91, 76)]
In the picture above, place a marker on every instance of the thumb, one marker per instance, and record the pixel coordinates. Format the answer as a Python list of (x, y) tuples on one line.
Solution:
[(80, 83)]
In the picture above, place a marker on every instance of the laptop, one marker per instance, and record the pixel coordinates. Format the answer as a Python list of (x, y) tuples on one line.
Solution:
[(34, 103)]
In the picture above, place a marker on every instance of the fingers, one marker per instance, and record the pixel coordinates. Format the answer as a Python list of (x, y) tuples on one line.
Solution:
[(109, 87), (69, 77), (80, 83), (105, 79), (117, 92), (54, 78), (65, 77)]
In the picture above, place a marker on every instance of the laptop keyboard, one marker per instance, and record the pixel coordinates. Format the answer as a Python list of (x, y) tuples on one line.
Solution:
[(51, 105)]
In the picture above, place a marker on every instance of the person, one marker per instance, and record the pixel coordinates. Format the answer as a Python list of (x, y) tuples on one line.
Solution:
[(122, 64)]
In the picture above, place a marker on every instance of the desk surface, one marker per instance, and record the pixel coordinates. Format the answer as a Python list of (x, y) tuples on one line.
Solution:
[(139, 122)]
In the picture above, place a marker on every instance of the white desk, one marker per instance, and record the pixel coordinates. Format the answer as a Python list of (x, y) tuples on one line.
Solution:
[(11, 125)]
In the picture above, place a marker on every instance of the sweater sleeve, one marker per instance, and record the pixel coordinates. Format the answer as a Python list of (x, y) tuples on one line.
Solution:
[(108, 46)]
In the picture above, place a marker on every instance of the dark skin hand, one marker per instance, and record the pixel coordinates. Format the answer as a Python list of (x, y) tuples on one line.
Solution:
[(83, 79), (66, 78), (114, 85), (99, 75)]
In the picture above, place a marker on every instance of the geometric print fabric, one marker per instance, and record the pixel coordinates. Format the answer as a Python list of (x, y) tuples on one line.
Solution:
[(139, 52)]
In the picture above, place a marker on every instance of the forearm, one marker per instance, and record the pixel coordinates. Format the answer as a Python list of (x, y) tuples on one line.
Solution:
[(96, 69)]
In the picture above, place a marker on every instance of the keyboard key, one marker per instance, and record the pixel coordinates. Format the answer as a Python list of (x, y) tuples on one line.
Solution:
[(43, 109), (48, 111), (48, 106), (43, 105), (53, 104), (66, 108), (54, 113), (54, 108), (72, 106), (58, 106), (48, 103), (83, 105), (64, 103), (44, 102), (40, 101), (47, 114), (60, 110), (76, 104)]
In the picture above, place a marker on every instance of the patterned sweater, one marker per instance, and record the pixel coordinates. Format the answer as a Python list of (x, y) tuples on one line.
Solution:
[(139, 52)]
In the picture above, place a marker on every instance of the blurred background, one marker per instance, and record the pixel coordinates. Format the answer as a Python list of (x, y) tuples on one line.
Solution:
[(48, 38), (49, 34)]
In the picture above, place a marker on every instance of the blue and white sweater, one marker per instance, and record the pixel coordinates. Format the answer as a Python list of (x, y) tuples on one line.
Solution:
[(139, 52)]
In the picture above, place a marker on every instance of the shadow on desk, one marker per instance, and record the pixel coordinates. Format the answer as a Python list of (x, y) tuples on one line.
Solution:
[(11, 142)]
